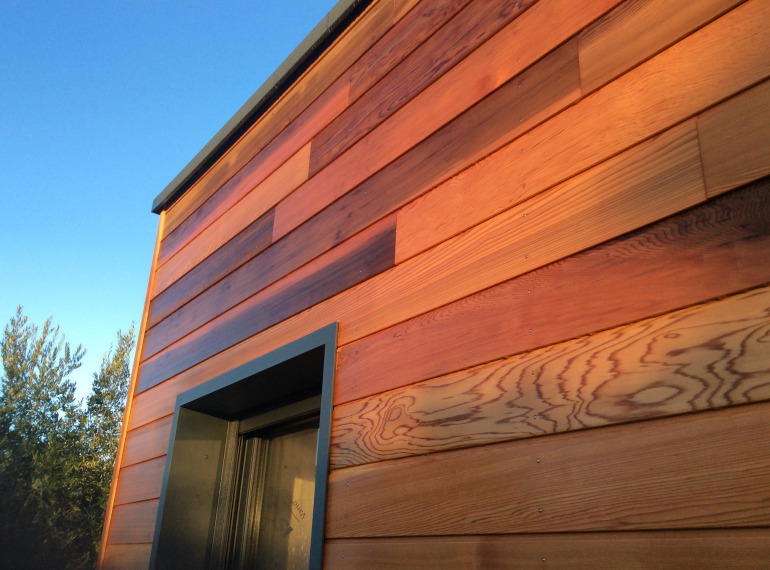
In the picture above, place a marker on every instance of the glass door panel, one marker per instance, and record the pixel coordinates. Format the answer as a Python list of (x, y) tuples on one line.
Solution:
[(273, 511), (287, 501)]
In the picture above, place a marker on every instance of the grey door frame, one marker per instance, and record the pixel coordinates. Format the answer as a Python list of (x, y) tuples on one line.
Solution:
[(204, 429)]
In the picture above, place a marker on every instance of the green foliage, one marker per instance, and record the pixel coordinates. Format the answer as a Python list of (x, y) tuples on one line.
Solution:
[(56, 454)]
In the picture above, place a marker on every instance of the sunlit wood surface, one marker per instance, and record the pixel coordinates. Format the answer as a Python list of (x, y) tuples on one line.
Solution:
[(544, 230)]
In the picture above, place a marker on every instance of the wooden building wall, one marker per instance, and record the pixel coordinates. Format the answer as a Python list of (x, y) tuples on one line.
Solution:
[(544, 229)]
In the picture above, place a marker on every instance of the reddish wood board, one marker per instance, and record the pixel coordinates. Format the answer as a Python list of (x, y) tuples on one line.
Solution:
[(366, 255), (717, 248), (247, 244), (457, 38), (707, 356)]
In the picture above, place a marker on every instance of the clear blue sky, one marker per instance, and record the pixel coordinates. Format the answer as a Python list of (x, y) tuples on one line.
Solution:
[(102, 103)]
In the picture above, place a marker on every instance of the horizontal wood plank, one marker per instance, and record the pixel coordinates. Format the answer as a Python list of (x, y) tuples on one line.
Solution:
[(457, 38), (536, 32), (127, 557), (727, 257), (400, 41), (159, 401), (148, 442), (674, 550), (353, 43), (247, 244), (735, 140), (636, 30), (625, 190), (719, 60), (364, 256), (744, 66), (398, 183), (717, 249), (296, 135), (254, 274), (140, 482), (253, 206), (475, 133), (133, 523), (703, 470), (708, 356)]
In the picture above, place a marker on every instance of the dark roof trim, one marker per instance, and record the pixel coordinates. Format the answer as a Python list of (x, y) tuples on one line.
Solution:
[(317, 41)]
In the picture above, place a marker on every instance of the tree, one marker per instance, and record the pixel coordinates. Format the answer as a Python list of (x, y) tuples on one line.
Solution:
[(103, 420), (56, 454)]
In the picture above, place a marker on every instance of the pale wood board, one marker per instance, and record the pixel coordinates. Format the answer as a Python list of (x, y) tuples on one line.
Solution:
[(148, 442), (257, 202), (127, 557), (719, 60), (133, 523), (704, 357), (141, 481), (636, 30), (535, 33), (703, 470), (735, 140), (681, 550)]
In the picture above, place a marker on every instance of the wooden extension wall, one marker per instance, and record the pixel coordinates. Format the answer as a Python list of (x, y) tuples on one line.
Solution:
[(544, 229)]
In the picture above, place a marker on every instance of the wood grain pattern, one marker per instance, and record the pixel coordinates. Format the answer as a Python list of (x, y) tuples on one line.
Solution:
[(704, 470), (708, 356), (253, 206), (127, 557), (247, 244), (148, 442), (735, 140), (336, 265), (628, 185), (717, 249), (367, 254), (674, 550), (744, 70), (437, 215), (728, 240), (353, 42), (403, 7), (470, 136), (279, 150), (636, 30), (395, 296), (680, 82), (538, 31), (133, 523), (454, 146), (155, 339), (141, 481), (450, 44), (400, 41), (515, 242)]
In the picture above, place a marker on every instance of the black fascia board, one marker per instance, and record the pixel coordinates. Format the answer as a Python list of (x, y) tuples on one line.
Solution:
[(323, 35)]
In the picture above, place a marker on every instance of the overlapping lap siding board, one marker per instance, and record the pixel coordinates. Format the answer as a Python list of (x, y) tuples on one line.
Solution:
[(544, 230)]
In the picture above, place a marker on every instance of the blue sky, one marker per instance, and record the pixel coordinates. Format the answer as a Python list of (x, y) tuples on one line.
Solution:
[(102, 103)]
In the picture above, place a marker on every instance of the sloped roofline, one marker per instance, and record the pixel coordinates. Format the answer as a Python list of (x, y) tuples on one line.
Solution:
[(328, 29)]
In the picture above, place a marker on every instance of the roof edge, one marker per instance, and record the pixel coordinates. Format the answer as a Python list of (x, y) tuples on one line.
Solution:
[(304, 55)]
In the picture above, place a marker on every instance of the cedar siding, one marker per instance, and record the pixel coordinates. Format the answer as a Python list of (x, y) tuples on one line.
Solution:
[(544, 230)]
